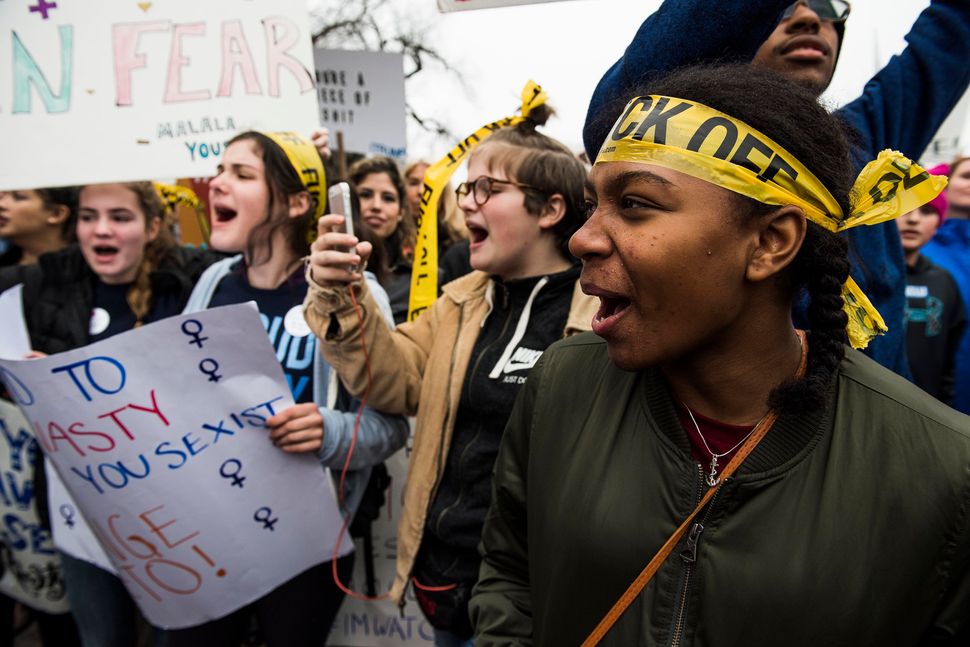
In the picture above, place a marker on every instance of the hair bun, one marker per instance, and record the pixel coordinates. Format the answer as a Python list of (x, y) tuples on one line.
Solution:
[(537, 117)]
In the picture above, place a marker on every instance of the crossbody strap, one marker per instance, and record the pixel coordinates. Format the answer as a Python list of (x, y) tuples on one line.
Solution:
[(651, 569)]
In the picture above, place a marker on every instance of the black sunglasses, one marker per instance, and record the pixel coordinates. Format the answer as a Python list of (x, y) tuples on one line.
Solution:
[(830, 10)]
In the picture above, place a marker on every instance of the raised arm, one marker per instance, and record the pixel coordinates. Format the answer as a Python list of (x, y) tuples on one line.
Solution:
[(904, 105), (360, 344), (679, 33)]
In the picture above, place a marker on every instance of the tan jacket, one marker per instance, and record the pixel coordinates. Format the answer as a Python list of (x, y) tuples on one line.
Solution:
[(416, 369)]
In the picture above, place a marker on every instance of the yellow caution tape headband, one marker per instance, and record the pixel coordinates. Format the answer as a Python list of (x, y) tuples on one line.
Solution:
[(691, 138), (424, 271), (306, 161)]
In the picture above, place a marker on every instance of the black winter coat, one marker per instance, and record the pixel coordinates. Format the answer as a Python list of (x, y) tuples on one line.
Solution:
[(59, 292)]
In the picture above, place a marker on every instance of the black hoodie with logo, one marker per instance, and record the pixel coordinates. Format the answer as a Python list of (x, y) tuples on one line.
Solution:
[(527, 316)]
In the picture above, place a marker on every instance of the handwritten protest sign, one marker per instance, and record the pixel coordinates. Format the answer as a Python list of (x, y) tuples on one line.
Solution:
[(361, 95), (467, 5), (31, 568), (145, 90), (72, 534), (31, 572), (159, 435), (380, 623)]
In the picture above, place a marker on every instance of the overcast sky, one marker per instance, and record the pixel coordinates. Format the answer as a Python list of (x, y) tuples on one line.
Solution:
[(561, 46)]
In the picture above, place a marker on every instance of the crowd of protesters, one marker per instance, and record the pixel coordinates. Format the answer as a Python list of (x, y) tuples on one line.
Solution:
[(709, 392)]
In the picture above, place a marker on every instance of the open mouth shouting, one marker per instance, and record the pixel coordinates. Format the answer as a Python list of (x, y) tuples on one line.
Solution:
[(223, 214), (105, 253), (476, 234), (612, 308)]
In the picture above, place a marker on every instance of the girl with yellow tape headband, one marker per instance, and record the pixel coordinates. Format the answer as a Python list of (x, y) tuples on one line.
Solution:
[(264, 204), (699, 472), (458, 364)]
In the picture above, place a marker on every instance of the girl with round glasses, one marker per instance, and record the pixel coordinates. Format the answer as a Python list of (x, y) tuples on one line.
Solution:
[(459, 365)]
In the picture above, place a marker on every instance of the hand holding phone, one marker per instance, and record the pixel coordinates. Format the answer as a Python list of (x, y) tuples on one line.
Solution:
[(338, 197)]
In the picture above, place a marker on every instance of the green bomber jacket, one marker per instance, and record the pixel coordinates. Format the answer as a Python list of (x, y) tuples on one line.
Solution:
[(847, 526)]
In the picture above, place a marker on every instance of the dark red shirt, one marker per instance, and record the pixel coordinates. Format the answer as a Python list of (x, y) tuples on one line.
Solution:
[(720, 437)]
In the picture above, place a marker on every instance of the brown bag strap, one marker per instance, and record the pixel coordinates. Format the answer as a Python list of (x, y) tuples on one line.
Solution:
[(651, 569)]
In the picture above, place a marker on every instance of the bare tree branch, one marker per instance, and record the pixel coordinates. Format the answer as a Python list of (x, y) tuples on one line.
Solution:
[(371, 25)]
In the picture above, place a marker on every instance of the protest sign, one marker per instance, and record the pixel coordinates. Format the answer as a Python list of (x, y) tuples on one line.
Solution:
[(159, 435), (445, 6), (380, 623), (361, 95), (31, 572), (145, 90), (31, 569)]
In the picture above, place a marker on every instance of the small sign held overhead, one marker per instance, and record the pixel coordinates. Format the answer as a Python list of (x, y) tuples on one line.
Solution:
[(361, 96)]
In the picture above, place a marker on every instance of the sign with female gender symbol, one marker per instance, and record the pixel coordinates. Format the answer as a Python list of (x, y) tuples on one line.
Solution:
[(159, 436)]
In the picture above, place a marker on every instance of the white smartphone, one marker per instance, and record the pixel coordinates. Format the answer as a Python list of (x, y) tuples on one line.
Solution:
[(338, 196)]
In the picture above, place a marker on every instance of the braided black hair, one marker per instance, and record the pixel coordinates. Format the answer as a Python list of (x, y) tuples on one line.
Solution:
[(792, 117)]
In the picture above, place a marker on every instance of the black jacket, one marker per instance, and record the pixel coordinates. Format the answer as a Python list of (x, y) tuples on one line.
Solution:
[(935, 322), (59, 292)]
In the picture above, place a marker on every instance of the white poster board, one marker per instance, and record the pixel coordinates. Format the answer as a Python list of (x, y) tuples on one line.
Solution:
[(362, 623), (31, 570), (159, 435), (361, 95), (121, 90), (445, 6)]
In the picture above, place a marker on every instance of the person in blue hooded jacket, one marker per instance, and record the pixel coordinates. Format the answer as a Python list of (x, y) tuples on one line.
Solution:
[(950, 249), (901, 107)]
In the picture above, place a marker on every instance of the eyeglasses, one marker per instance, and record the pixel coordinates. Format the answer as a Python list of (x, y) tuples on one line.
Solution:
[(481, 188), (830, 10)]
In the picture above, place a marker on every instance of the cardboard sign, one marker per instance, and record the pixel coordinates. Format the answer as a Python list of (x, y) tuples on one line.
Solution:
[(145, 90), (368, 623), (32, 573), (445, 6), (159, 435), (361, 95)]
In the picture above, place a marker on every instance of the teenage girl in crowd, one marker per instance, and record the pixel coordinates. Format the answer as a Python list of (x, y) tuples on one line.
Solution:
[(950, 249), (36, 221), (262, 211), (696, 252), (459, 365), (379, 188), (452, 233), (126, 270)]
